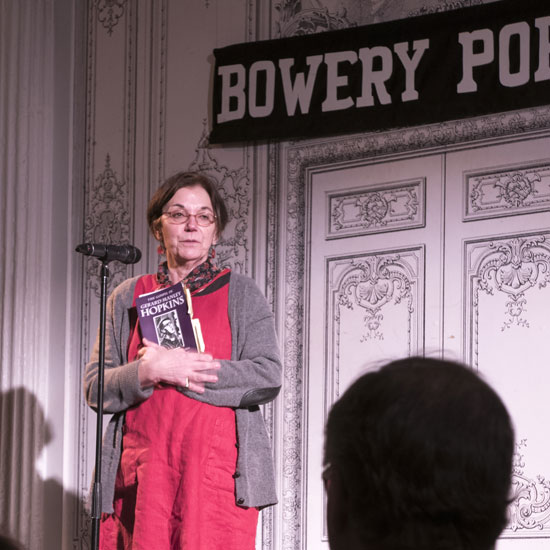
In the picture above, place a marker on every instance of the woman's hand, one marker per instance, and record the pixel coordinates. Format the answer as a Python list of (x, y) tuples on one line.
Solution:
[(179, 367)]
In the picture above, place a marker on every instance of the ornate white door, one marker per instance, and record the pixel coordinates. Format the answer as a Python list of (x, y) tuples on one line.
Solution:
[(372, 229), (445, 254), (497, 305)]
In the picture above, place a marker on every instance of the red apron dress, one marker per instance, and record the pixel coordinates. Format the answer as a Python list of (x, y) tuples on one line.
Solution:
[(175, 488)]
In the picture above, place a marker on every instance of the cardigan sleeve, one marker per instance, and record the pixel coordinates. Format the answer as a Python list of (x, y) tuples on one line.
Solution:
[(121, 383), (253, 375)]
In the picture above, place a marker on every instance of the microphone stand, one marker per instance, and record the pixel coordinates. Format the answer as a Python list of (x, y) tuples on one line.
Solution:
[(126, 254), (96, 488)]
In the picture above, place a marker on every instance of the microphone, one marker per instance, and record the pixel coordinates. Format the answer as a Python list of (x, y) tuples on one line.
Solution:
[(125, 253)]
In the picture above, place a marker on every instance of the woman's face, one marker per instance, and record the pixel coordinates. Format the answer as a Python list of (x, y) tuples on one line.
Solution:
[(187, 244)]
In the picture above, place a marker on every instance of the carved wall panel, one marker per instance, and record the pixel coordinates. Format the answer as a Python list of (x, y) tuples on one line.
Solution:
[(295, 17), (109, 193), (109, 13), (510, 270), (107, 221), (390, 207), (375, 310), (518, 190), (363, 308), (529, 513), (508, 281)]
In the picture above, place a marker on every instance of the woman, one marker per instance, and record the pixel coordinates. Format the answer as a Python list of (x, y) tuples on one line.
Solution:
[(186, 458)]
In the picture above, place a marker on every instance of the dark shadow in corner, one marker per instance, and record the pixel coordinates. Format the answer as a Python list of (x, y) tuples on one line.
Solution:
[(24, 434)]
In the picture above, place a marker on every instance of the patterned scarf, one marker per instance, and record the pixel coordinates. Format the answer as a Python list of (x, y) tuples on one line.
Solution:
[(198, 277)]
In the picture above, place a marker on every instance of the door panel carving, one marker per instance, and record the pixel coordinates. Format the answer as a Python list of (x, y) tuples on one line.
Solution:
[(399, 206), (521, 190), (510, 298)]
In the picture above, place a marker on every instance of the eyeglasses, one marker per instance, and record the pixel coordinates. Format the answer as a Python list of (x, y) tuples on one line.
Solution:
[(178, 216)]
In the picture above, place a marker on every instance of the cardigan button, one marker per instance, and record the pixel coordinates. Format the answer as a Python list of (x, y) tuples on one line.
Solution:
[(240, 501), (236, 474)]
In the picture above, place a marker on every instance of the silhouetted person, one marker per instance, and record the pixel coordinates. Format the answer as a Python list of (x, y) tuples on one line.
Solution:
[(418, 456)]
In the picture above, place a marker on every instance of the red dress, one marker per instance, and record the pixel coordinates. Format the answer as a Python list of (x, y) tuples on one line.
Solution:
[(175, 486)]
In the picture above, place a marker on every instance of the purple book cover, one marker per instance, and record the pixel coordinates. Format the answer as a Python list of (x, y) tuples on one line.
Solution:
[(164, 317)]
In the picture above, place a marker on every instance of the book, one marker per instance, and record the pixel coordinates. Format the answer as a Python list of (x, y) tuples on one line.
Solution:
[(166, 318)]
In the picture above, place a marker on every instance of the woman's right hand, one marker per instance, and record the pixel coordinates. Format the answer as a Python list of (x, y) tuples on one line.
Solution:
[(179, 367)]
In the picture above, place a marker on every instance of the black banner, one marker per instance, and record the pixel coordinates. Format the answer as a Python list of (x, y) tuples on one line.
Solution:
[(446, 66)]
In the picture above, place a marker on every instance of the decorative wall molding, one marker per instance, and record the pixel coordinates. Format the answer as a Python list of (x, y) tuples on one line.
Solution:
[(303, 155), (295, 21), (439, 6), (511, 267), (108, 193), (107, 221), (297, 159), (373, 283), (517, 269), (376, 209), (505, 192), (530, 509), (360, 289), (269, 516), (294, 17), (109, 12)]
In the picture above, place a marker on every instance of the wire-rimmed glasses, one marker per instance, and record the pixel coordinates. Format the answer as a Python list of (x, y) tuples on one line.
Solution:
[(178, 216)]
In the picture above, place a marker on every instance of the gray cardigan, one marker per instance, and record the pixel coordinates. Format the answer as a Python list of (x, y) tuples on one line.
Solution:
[(252, 377)]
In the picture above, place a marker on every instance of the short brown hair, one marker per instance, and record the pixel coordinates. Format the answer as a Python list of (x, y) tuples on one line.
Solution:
[(186, 179)]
